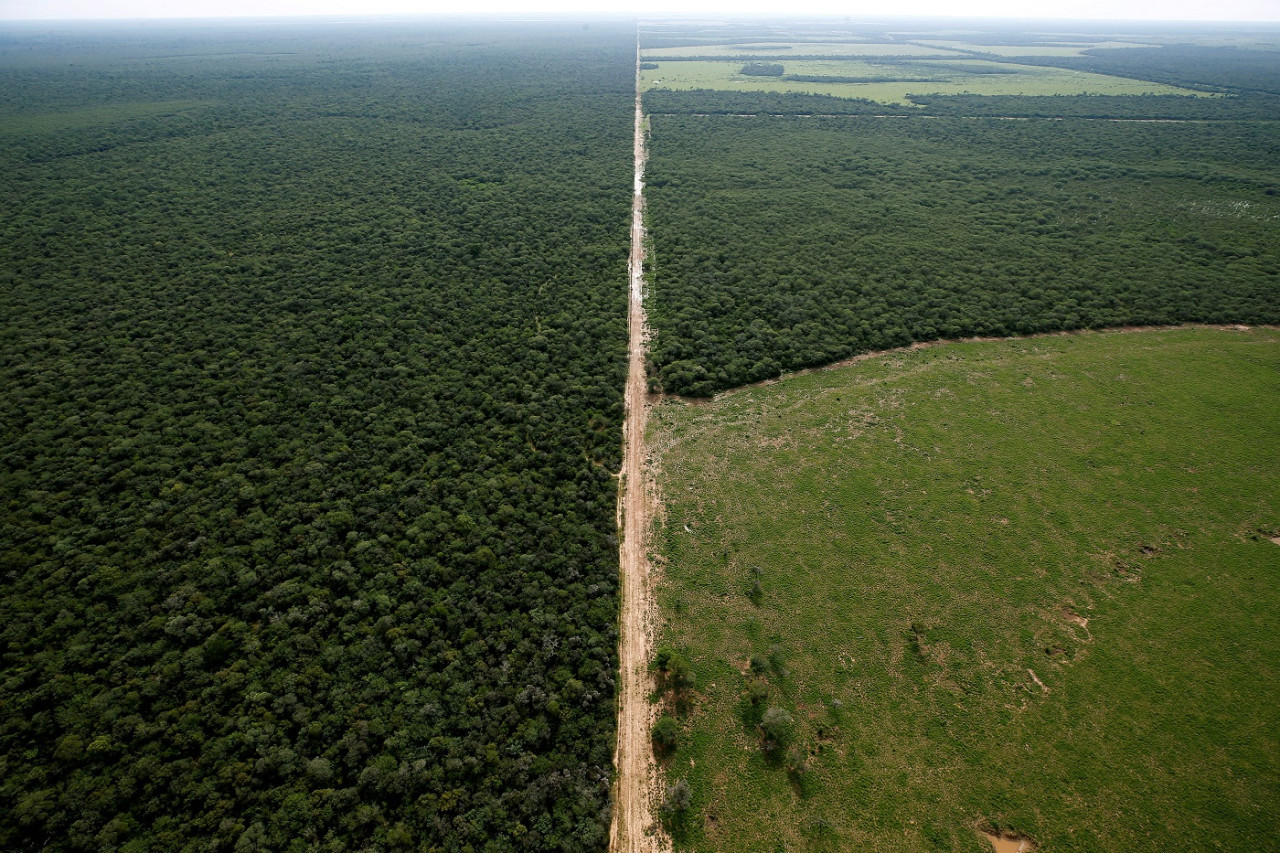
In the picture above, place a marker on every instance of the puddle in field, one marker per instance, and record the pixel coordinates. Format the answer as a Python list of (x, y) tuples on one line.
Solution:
[(1003, 844)]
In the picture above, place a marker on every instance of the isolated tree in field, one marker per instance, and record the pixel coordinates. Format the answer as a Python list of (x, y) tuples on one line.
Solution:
[(664, 734), (673, 669), (776, 726), (797, 762)]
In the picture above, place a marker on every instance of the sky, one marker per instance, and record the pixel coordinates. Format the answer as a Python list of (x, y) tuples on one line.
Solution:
[(1155, 10)]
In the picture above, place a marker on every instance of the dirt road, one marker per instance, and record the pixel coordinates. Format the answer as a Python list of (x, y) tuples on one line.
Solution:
[(633, 829)]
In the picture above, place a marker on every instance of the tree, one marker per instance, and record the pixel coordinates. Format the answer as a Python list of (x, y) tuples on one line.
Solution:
[(664, 735), (674, 669), (776, 725)]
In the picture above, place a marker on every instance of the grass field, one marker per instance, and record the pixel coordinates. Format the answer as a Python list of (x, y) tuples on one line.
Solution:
[(950, 79), (1059, 49), (1022, 585), (784, 49)]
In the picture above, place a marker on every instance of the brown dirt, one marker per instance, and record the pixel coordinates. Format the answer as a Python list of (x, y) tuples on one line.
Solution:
[(1037, 680), (635, 787), (1009, 843), (1072, 616)]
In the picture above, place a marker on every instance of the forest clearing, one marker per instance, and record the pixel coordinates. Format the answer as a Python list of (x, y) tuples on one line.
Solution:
[(633, 828), (998, 586), (983, 593), (341, 361)]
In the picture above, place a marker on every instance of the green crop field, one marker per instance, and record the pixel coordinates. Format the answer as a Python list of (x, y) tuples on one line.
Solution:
[(1024, 586), (957, 77)]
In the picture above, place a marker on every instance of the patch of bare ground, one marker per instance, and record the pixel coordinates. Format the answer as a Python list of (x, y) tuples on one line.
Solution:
[(1009, 843), (1037, 680), (1072, 616)]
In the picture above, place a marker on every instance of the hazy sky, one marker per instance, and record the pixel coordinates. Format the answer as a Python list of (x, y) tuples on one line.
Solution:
[(1221, 10)]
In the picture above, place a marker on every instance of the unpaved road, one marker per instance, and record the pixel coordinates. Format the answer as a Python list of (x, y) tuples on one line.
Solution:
[(633, 829)]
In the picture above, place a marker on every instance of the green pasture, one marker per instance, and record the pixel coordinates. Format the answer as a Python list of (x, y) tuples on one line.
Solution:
[(772, 50), (1044, 49), (1024, 585), (956, 77)]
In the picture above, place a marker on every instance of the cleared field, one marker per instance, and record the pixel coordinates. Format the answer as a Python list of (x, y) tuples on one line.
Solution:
[(960, 76), (1022, 585), (1076, 49), (783, 49)]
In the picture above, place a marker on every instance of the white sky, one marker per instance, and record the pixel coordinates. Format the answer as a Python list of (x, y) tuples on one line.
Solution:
[(1155, 10)]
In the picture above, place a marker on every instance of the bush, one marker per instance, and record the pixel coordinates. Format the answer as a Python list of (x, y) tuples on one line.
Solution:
[(665, 733), (776, 726), (675, 671), (675, 805)]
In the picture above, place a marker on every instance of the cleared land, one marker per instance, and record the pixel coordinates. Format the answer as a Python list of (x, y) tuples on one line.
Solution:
[(1037, 49), (893, 82), (784, 49), (632, 830), (1023, 586)]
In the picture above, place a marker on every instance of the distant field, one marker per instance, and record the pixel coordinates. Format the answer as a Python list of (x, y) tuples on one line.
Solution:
[(773, 49), (1023, 585), (1067, 49), (959, 76)]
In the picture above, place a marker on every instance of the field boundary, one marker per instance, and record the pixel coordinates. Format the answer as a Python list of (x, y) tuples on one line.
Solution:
[(980, 339)]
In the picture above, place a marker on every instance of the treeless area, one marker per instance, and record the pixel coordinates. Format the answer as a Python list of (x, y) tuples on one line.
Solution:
[(633, 829)]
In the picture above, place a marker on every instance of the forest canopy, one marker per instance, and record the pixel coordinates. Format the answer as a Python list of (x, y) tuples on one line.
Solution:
[(312, 353), (793, 230)]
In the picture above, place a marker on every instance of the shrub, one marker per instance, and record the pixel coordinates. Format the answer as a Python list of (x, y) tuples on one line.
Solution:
[(776, 726), (664, 734)]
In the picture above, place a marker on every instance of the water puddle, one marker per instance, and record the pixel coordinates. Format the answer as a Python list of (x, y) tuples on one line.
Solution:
[(1005, 844)]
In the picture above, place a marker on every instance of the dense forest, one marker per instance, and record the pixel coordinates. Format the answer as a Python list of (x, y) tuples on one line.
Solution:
[(794, 235), (312, 353)]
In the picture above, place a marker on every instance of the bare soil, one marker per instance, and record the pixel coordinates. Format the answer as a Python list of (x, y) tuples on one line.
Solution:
[(635, 793), (1009, 843)]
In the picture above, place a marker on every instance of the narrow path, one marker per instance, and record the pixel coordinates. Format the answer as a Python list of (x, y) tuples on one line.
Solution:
[(633, 829)]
